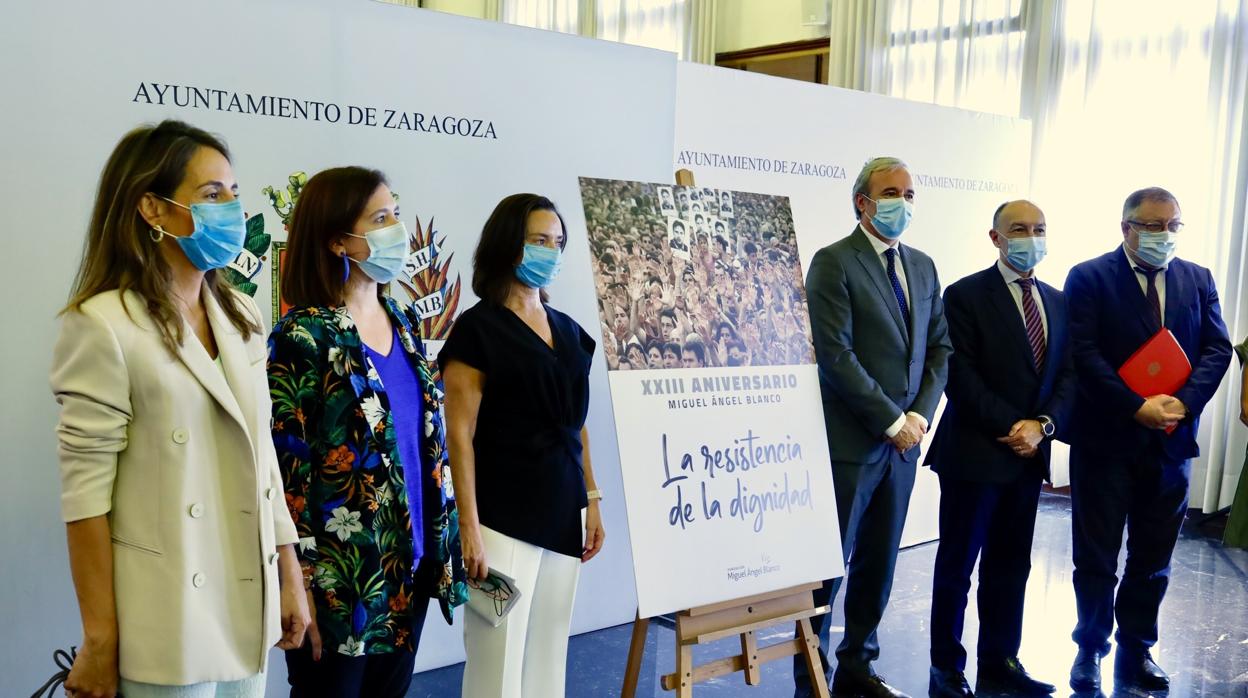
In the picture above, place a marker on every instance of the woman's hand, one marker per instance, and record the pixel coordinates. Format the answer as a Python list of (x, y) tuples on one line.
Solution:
[(296, 617), (1243, 412), (314, 633), (94, 674), (474, 552), (594, 533), (294, 599)]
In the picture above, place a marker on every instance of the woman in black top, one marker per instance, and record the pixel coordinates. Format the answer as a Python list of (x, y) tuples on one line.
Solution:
[(517, 393)]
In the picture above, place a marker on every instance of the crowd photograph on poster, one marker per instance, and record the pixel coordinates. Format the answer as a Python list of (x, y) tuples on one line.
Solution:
[(695, 290)]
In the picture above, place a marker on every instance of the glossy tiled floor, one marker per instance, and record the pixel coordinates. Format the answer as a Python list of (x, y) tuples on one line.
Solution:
[(1204, 629)]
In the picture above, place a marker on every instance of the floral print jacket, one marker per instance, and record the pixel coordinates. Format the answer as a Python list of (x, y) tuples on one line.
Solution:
[(345, 489)]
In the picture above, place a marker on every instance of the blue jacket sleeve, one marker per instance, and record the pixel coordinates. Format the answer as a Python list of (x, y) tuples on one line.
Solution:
[(1093, 370), (1214, 357), (936, 361)]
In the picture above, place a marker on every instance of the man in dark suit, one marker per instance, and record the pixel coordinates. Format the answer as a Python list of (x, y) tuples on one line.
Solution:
[(1125, 470), (883, 351), (1011, 384)]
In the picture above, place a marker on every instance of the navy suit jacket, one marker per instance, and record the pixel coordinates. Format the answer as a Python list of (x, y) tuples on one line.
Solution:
[(872, 367), (993, 381), (1110, 320)]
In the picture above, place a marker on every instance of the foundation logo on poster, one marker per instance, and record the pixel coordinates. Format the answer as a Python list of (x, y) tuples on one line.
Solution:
[(427, 287)]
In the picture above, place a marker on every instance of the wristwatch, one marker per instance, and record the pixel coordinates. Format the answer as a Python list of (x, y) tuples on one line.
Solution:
[(1047, 426)]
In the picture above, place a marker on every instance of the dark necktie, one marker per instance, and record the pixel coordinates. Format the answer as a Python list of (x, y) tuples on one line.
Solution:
[(1035, 327), (1154, 299), (891, 253)]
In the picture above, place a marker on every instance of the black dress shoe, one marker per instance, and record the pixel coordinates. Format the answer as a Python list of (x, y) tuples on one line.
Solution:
[(1009, 677), (1085, 674), (845, 685), (948, 684), (1139, 671)]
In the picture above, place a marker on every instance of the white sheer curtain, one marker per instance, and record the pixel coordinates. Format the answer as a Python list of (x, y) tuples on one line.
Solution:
[(1122, 94), (551, 15), (684, 27)]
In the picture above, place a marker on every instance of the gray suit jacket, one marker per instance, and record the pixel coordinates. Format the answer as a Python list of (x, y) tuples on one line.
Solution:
[(871, 367)]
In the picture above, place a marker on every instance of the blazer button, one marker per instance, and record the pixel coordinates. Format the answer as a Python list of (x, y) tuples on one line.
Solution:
[(273, 558), (199, 580), (181, 436), (270, 493), (196, 511)]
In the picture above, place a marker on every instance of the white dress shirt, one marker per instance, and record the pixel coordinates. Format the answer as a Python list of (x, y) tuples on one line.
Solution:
[(1141, 277), (899, 269), (880, 248), (1016, 292)]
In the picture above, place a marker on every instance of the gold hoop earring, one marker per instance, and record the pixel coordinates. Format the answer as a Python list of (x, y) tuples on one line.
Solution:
[(156, 233)]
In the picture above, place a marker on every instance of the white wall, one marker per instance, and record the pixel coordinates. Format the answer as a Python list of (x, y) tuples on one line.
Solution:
[(551, 98)]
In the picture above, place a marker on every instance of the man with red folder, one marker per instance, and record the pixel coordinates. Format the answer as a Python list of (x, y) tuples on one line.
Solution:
[(1130, 453)]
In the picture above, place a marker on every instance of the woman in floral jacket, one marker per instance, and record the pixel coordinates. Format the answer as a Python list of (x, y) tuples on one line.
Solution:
[(357, 425)]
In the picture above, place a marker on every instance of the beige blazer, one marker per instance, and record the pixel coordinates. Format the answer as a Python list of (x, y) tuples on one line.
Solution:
[(177, 451)]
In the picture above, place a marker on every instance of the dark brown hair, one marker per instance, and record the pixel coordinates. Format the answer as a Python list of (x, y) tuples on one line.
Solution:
[(119, 253), (502, 244), (328, 207)]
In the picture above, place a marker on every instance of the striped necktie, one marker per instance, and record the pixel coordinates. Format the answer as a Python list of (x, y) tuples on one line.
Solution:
[(1035, 328), (1154, 299)]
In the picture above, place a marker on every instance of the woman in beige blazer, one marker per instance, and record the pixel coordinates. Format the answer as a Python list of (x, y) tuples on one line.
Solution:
[(180, 542)]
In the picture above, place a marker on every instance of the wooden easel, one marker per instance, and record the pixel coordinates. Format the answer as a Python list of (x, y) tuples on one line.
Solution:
[(743, 617)]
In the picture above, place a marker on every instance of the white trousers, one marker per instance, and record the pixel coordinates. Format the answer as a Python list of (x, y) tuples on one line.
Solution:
[(252, 687), (526, 656)]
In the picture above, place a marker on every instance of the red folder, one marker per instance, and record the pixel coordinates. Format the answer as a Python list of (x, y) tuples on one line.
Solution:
[(1160, 367)]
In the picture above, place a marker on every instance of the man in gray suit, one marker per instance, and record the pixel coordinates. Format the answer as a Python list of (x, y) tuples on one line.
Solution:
[(883, 352)]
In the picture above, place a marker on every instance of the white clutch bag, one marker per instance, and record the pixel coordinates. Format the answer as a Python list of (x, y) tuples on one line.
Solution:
[(493, 598)]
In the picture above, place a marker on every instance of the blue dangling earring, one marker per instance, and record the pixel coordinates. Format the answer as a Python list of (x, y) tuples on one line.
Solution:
[(346, 268)]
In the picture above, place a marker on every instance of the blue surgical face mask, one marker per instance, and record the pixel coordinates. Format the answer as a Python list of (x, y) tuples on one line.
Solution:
[(1157, 249), (892, 216), (539, 266), (387, 252), (1024, 253), (220, 231)]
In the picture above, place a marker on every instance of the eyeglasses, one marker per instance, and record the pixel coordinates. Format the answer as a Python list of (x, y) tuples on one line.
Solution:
[(1172, 226), (497, 590)]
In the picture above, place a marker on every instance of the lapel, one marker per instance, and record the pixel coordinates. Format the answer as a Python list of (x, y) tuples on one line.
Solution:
[(874, 268), (193, 354), (349, 358), (916, 283), (1002, 299), (1132, 297), (1176, 290), (1056, 338)]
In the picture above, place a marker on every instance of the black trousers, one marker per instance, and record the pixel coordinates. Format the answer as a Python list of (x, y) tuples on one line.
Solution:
[(993, 523), (370, 676), (1147, 496), (871, 502)]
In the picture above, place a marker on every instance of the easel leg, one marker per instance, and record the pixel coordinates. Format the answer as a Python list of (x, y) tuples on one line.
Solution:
[(810, 651), (749, 652), (636, 650), (684, 660)]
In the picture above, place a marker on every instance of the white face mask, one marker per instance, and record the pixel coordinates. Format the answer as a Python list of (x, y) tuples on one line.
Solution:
[(387, 252), (1157, 249)]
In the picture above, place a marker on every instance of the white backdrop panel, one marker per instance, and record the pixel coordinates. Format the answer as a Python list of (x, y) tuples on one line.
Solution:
[(738, 130), (560, 106)]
